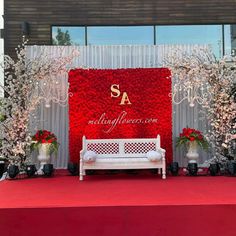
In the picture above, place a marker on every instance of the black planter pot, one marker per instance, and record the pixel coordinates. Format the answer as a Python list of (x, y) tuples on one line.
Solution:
[(233, 147), (48, 170), (192, 169), (13, 171), (174, 168), (135, 172), (2, 168), (30, 170), (113, 172), (214, 169), (73, 168), (231, 166)]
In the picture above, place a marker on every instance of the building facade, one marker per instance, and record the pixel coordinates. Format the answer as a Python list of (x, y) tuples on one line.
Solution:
[(40, 20)]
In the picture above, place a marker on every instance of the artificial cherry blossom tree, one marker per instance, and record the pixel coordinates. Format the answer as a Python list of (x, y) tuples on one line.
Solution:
[(222, 107), (23, 77), (200, 77)]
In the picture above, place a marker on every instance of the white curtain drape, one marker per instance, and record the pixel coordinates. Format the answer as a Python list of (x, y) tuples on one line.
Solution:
[(55, 118)]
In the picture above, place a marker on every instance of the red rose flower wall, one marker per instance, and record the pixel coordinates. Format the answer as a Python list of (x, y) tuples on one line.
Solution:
[(120, 103)]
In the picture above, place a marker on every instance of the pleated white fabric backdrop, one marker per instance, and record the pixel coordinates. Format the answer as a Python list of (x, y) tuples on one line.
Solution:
[(130, 56)]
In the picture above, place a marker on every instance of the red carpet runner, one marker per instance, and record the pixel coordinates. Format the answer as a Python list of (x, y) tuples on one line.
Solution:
[(118, 205)]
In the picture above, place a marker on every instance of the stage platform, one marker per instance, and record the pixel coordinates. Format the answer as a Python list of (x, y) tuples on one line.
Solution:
[(124, 205)]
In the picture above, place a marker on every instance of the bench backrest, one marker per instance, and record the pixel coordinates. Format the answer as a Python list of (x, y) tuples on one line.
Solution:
[(108, 148)]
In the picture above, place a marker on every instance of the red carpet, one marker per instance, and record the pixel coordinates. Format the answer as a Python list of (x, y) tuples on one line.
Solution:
[(118, 205)]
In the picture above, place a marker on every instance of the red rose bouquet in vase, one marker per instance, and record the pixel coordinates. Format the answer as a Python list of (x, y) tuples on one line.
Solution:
[(193, 139), (46, 144)]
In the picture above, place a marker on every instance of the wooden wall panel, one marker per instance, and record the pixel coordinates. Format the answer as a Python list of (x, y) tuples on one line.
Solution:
[(41, 14)]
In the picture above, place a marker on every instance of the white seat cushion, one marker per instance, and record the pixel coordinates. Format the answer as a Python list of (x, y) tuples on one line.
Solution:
[(153, 156), (90, 156)]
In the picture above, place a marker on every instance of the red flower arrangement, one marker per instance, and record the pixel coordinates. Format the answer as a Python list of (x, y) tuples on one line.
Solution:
[(45, 137), (191, 135), (90, 105)]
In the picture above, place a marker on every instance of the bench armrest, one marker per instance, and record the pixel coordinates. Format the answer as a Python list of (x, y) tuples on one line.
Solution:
[(163, 152), (82, 152)]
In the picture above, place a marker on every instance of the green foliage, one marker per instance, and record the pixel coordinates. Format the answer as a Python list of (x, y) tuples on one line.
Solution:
[(62, 38), (35, 146), (52, 148)]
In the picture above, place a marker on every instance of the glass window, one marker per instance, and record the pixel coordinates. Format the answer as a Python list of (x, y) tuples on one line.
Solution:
[(120, 35), (144, 35), (191, 34), (230, 39), (68, 35)]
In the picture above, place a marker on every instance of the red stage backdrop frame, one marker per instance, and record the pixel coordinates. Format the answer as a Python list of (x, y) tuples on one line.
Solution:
[(120, 103)]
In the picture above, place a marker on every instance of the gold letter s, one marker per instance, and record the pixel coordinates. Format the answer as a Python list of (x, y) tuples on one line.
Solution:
[(115, 92)]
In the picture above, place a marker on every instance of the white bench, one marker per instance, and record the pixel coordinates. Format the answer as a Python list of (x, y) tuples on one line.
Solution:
[(122, 154)]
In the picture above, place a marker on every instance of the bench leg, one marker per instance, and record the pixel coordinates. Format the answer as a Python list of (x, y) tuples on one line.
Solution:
[(163, 173), (159, 171), (81, 170), (81, 176)]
